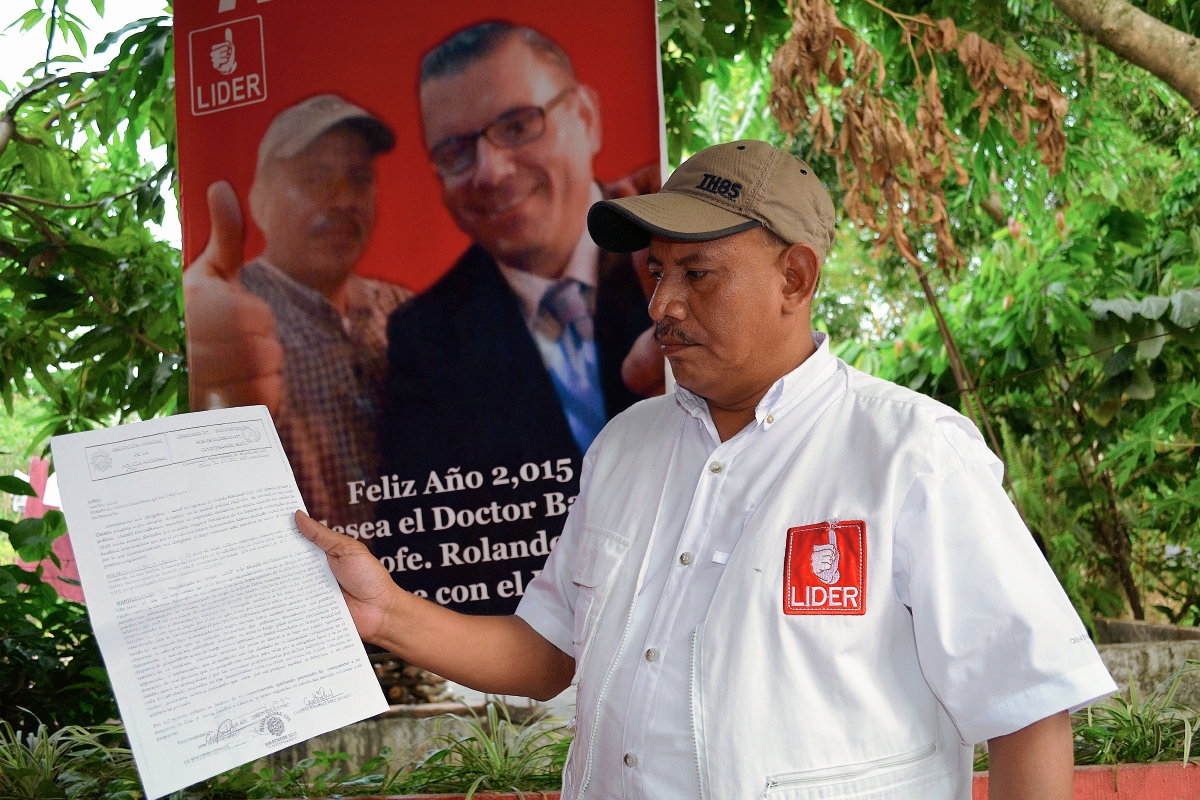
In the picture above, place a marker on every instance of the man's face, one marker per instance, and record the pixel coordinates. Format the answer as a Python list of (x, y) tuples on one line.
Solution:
[(725, 312), (316, 209), (529, 202)]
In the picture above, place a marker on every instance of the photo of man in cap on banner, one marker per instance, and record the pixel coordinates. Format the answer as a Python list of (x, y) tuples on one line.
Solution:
[(295, 329)]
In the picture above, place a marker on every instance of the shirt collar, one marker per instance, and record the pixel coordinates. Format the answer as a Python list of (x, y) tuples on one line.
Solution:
[(318, 305), (784, 395), (583, 267)]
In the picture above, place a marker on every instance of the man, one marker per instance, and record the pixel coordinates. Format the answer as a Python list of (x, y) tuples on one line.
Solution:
[(788, 580), (512, 363), (296, 329)]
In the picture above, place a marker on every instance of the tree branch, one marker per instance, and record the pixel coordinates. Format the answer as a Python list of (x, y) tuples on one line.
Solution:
[(1137, 37), (8, 120)]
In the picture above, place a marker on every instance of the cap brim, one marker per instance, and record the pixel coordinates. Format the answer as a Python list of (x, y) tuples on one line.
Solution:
[(626, 225), (378, 134)]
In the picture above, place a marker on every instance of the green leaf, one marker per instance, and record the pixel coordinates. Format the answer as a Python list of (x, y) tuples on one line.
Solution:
[(1104, 413), (57, 303), (14, 485), (116, 36), (1149, 349), (1108, 188), (1119, 361), (1141, 387)]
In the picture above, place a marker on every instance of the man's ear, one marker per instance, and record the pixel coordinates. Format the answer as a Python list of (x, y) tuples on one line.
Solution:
[(801, 269), (589, 114)]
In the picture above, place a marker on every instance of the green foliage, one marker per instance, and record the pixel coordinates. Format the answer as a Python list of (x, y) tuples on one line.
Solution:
[(73, 763), (322, 775), (714, 56), (1121, 731), (493, 754), (50, 665), (92, 302)]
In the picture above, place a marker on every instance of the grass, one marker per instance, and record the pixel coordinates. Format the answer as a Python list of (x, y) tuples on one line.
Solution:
[(73, 763), (493, 754), (1133, 731), (1122, 731)]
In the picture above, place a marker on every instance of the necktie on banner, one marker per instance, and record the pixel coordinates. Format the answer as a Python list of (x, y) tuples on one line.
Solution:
[(565, 318)]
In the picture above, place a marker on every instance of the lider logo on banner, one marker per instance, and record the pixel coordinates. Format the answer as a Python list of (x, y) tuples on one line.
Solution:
[(825, 568), (228, 65)]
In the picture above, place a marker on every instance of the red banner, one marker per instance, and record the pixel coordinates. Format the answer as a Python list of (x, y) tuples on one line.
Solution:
[(411, 290)]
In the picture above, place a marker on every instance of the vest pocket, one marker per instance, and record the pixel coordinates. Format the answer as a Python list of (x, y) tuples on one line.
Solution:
[(596, 559), (861, 780)]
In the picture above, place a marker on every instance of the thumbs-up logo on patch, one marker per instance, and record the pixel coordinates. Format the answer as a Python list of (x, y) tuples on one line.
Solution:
[(825, 568), (224, 55), (825, 558)]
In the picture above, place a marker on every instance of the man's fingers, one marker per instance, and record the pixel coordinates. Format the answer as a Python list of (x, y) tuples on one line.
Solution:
[(264, 391), (322, 537), (223, 255), (644, 368), (220, 310), (235, 361)]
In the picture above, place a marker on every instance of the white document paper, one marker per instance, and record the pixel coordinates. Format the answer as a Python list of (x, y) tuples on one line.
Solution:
[(223, 630)]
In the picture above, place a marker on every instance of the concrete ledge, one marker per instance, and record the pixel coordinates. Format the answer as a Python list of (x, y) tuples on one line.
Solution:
[(405, 729), (1127, 631), (1147, 665)]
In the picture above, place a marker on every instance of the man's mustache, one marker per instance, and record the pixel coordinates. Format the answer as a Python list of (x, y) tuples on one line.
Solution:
[(670, 332), (491, 199), (337, 223)]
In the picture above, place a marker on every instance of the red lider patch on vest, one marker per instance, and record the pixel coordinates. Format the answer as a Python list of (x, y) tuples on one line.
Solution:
[(825, 568)]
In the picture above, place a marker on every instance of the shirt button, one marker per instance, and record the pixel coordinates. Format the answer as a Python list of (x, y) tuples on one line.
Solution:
[(652, 654), (630, 760), (715, 467), (685, 558), (770, 418)]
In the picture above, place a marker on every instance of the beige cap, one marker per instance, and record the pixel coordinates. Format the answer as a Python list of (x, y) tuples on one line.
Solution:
[(723, 190), (295, 128)]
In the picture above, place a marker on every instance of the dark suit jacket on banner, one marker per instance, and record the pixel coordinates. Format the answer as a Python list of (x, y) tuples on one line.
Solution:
[(472, 420)]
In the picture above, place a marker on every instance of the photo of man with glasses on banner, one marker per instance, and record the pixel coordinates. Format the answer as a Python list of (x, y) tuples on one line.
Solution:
[(509, 366)]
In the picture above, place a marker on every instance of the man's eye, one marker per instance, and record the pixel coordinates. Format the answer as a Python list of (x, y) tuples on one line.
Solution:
[(694, 274), (656, 274)]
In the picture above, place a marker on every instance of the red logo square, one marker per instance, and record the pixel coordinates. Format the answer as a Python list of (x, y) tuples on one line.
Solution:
[(825, 569), (227, 66)]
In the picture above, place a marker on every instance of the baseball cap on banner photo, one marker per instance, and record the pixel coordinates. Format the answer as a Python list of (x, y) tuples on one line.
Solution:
[(723, 190), (297, 127)]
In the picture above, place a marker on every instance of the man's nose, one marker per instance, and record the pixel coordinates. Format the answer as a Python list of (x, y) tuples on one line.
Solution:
[(492, 163), (668, 301), (351, 193)]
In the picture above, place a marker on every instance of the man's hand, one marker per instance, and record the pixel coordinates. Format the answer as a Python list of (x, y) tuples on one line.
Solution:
[(825, 558), (366, 585), (644, 369), (234, 358), (497, 655), (1034, 763), (646, 179)]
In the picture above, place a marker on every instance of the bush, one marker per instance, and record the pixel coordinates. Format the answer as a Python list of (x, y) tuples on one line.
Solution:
[(50, 666)]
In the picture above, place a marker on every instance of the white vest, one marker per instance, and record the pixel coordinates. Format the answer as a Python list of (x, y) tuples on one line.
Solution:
[(783, 706)]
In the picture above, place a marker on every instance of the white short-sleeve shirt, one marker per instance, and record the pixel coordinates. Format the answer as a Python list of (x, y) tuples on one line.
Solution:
[(960, 556)]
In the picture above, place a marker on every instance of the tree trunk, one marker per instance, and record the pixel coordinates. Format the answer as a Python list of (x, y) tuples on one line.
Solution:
[(1140, 39)]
